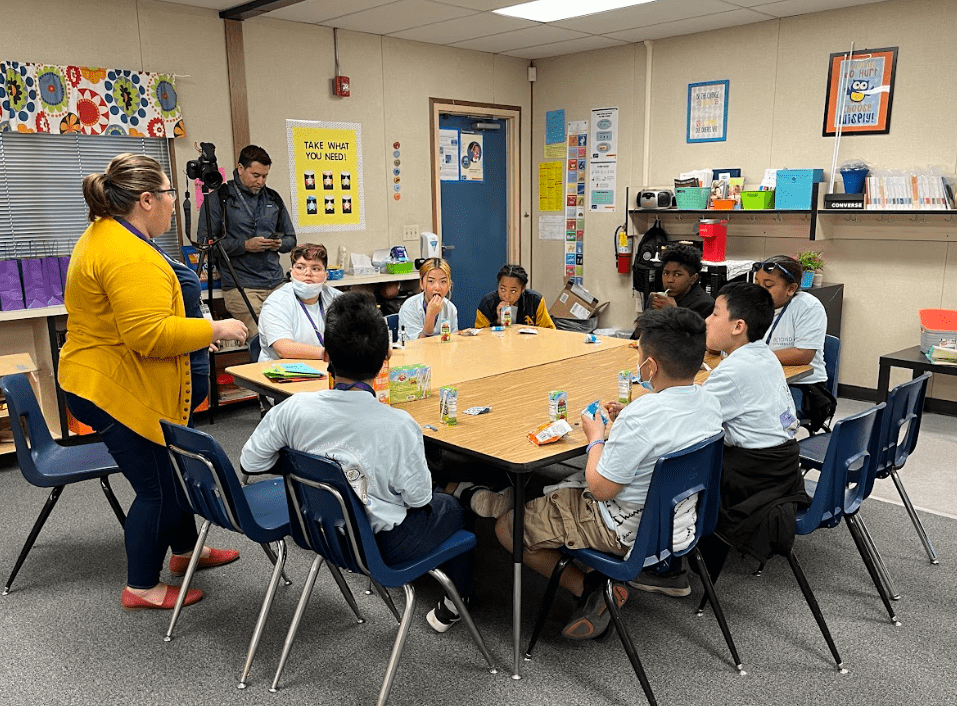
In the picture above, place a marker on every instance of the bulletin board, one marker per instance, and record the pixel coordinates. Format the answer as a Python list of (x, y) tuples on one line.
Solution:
[(325, 174)]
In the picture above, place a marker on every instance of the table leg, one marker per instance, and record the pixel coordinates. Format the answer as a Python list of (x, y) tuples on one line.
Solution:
[(883, 379), (518, 548)]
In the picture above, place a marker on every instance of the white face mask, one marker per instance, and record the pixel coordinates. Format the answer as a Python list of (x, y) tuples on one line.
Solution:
[(306, 290), (644, 383)]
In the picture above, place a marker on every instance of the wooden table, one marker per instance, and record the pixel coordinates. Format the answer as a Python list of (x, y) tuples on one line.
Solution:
[(513, 373), (461, 359)]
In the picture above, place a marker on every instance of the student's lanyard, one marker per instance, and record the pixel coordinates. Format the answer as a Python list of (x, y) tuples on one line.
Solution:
[(322, 313), (249, 210), (777, 320), (358, 385)]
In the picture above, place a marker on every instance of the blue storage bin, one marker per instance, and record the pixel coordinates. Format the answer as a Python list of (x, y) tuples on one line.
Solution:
[(794, 188)]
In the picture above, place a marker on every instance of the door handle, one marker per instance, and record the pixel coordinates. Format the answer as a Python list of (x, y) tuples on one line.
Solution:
[(448, 247)]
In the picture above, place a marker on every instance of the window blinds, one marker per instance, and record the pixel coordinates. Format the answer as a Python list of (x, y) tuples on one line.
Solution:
[(42, 211)]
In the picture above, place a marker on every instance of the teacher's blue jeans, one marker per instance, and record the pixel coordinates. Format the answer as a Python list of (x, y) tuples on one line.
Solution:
[(423, 529), (155, 521)]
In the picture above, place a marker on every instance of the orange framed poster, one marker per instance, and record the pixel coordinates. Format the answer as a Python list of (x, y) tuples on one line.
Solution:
[(860, 89)]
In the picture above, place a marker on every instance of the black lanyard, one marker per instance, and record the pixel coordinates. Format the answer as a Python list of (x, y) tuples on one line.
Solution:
[(322, 313), (358, 385), (259, 207), (777, 320)]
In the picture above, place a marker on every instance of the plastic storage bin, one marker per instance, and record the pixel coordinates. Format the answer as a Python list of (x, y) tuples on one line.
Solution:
[(854, 180), (723, 204), (794, 188), (693, 198), (757, 200)]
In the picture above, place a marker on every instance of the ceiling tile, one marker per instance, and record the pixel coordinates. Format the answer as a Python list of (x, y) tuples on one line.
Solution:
[(486, 5), (508, 41), (314, 11), (790, 8), (398, 16), (735, 18), (652, 13), (212, 4), (571, 46), (463, 28)]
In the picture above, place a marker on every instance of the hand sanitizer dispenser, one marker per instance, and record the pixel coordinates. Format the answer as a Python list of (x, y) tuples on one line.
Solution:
[(430, 245)]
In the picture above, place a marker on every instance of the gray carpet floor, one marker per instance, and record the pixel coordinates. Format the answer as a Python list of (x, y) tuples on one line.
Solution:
[(64, 639)]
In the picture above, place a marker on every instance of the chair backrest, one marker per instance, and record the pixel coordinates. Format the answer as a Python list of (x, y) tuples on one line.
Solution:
[(392, 320), (832, 355), (327, 517), (677, 476), (31, 435), (254, 349), (207, 477), (905, 408), (851, 450)]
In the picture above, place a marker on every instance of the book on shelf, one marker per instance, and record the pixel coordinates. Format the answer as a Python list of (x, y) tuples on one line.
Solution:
[(917, 191)]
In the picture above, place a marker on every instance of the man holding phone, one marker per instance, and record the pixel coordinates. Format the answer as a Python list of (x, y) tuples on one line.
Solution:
[(258, 228)]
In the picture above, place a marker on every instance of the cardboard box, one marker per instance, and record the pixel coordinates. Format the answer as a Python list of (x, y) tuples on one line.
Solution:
[(575, 302), (409, 382)]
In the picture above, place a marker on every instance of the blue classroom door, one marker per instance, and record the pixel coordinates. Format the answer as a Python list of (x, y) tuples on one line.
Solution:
[(475, 215)]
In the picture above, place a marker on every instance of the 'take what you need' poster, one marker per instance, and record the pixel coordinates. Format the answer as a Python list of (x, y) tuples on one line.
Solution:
[(325, 172)]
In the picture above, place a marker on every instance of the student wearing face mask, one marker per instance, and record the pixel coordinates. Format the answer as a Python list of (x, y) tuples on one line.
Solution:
[(293, 318)]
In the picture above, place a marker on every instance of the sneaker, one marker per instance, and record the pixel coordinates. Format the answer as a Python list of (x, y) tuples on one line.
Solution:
[(673, 584), (443, 616), (592, 618), (487, 503)]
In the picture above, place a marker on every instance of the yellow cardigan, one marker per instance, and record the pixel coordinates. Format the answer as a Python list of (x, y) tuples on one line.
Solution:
[(128, 337)]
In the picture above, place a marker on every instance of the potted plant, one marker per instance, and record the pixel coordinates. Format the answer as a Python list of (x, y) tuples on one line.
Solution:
[(812, 262)]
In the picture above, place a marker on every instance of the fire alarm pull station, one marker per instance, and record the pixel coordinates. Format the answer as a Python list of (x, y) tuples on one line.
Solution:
[(340, 86)]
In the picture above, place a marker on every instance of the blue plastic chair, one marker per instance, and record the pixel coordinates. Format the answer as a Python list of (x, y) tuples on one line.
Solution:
[(677, 476), (832, 356), (327, 518), (48, 464), (905, 408), (392, 320), (254, 348), (258, 511)]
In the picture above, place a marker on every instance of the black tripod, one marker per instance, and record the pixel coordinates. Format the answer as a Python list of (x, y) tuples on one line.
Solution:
[(209, 252)]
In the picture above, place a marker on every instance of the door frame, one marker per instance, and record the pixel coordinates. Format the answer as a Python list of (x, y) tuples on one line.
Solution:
[(512, 115)]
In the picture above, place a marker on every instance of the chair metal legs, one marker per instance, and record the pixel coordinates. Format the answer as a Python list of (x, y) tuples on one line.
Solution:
[(190, 570), (297, 618), (869, 561), (547, 601), (272, 557), (111, 499), (716, 606), (37, 526), (915, 518), (346, 592), (386, 598), (626, 642), (815, 608), (404, 626), (264, 611), (452, 592), (878, 559)]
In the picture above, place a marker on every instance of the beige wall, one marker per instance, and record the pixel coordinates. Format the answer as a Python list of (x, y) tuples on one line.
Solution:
[(777, 72)]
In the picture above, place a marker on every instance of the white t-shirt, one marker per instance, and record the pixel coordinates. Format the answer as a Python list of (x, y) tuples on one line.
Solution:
[(803, 325), (282, 317), (646, 429), (412, 316), (380, 448), (756, 404)]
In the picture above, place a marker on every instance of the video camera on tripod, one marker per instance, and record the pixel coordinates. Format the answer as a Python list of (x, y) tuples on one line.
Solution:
[(205, 168)]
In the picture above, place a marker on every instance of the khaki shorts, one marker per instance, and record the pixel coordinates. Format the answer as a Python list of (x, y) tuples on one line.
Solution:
[(569, 518)]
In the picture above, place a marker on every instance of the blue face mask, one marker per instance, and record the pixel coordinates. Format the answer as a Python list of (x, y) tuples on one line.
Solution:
[(644, 383)]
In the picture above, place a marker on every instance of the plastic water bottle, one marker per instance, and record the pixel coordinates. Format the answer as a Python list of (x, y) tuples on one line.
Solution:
[(402, 337)]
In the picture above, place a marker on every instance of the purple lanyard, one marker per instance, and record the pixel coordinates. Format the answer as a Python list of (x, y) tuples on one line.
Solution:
[(132, 229), (322, 313), (358, 385)]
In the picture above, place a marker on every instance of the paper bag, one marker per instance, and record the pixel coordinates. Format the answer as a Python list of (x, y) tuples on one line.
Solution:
[(41, 282), (11, 286)]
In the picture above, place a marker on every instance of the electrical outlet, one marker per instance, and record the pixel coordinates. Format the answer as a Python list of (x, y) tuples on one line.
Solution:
[(410, 233)]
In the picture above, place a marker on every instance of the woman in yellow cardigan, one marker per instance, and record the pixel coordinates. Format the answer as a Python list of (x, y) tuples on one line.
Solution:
[(125, 364)]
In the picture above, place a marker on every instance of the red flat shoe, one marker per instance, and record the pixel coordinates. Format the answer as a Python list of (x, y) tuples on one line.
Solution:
[(132, 602), (217, 557)]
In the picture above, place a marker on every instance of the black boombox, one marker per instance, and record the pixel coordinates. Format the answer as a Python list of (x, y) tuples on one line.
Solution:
[(656, 198)]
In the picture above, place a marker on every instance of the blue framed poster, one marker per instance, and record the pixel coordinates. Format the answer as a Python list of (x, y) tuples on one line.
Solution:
[(708, 111)]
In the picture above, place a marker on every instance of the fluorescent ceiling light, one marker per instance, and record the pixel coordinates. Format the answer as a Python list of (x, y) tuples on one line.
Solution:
[(553, 10)]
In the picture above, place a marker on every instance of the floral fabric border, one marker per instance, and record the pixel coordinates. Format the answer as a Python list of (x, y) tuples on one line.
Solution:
[(91, 101)]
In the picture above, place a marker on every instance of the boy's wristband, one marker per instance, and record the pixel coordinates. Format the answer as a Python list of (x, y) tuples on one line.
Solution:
[(593, 443)]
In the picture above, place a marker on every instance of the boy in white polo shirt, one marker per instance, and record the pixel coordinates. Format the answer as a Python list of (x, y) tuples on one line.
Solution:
[(601, 509), (379, 447), (761, 482)]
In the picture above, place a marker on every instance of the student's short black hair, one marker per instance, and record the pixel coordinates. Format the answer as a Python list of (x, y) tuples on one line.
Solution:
[(685, 255), (254, 153), (751, 303), (357, 337), (516, 271), (675, 337)]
